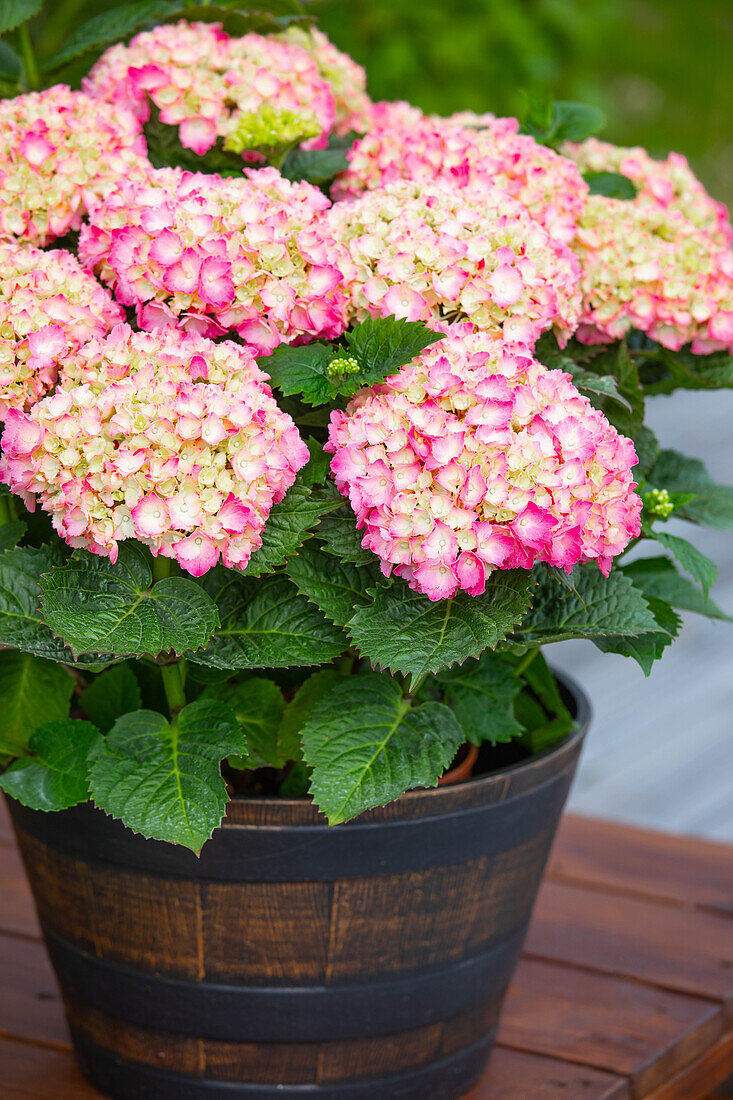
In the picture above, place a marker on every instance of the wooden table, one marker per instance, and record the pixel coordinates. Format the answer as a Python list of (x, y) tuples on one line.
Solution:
[(625, 989)]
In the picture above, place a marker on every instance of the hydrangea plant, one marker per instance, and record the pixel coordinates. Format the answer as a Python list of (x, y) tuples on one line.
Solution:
[(322, 418)]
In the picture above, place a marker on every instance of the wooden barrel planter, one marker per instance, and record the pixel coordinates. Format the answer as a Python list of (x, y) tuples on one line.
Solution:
[(293, 960)]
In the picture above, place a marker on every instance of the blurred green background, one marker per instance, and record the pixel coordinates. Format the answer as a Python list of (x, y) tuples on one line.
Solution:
[(660, 69)]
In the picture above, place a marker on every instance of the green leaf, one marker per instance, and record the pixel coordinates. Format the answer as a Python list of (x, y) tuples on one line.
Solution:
[(166, 151), (367, 746), (599, 384), (301, 707), (611, 184), (109, 696), (21, 624), (98, 607), (713, 503), (338, 588), (666, 370), (287, 526), (647, 648), (481, 695), (593, 607), (617, 363), (556, 721), (340, 538), (318, 166), (316, 469), (692, 560), (658, 577), (303, 370), (11, 66), (267, 624), (258, 705), (411, 634), (33, 691), (11, 533), (575, 121), (56, 777), (15, 12), (646, 446), (163, 779), (112, 26), (383, 344)]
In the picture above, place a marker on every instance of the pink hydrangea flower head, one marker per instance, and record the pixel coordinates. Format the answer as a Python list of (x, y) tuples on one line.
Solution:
[(214, 255), (671, 182), (476, 457), (206, 83), (647, 267), (49, 308), (430, 252), (60, 152), (467, 150), (346, 78), (140, 450)]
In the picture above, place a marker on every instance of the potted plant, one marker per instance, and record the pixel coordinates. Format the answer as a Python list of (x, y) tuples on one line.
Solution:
[(322, 418)]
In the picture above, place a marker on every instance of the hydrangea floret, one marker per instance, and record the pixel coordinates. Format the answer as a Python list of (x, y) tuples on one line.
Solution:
[(189, 467), (60, 152), (466, 150), (433, 252), (648, 268), (214, 255), (49, 309), (670, 182), (476, 457), (345, 76), (203, 82)]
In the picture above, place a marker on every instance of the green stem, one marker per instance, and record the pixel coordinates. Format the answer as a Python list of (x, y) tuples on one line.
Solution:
[(5, 514), (526, 661), (30, 65), (172, 676), (161, 568)]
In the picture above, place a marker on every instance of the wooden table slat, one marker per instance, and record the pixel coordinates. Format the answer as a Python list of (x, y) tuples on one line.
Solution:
[(17, 912)]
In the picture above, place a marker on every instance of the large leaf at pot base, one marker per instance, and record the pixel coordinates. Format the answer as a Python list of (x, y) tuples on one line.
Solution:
[(98, 607), (287, 526), (258, 705), (367, 745), (338, 588), (713, 503), (658, 577), (301, 707), (163, 779), (592, 606), (408, 633), (692, 560), (647, 648), (15, 12), (481, 695), (33, 691), (110, 695), (56, 776), (266, 623)]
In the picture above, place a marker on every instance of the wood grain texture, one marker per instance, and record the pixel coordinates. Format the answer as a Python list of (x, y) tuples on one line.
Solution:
[(512, 1075), (17, 911), (30, 1003)]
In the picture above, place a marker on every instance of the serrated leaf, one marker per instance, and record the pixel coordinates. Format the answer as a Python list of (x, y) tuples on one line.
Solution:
[(301, 707), (11, 533), (599, 384), (100, 607), (340, 538), (667, 370), (21, 623), (287, 526), (646, 446), (411, 634), (316, 469), (33, 691), (573, 121), (56, 777), (367, 745), (692, 560), (110, 695), (647, 648), (303, 371), (617, 363), (110, 27), (713, 503), (15, 12), (338, 588), (611, 184), (258, 705), (595, 606), (481, 695), (383, 344), (163, 779), (658, 577), (267, 624)]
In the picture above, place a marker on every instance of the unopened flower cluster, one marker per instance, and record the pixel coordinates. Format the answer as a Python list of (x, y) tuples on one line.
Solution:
[(49, 309), (429, 252), (670, 183), (648, 268), (346, 78), (475, 458), (61, 151), (191, 468), (206, 83), (216, 255), (465, 150)]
